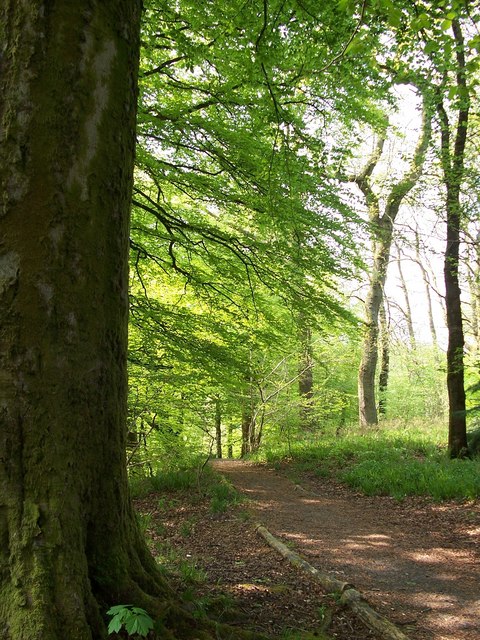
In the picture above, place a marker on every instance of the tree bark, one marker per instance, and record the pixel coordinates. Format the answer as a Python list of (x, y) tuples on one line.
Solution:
[(248, 430), (473, 279), (384, 362), (230, 441), (368, 364), (218, 427), (452, 160), (408, 307), (305, 378), (70, 545), (426, 282)]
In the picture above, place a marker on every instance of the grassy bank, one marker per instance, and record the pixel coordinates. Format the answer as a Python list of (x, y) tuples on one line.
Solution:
[(397, 460)]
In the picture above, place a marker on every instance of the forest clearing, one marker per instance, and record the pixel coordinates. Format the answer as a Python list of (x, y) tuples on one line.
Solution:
[(240, 236)]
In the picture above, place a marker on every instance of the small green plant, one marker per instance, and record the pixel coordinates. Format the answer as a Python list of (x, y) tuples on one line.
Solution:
[(222, 495), (191, 574), (135, 620), (186, 528)]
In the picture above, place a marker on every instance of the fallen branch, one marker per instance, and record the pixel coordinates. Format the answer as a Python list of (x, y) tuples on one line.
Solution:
[(349, 595), (330, 584)]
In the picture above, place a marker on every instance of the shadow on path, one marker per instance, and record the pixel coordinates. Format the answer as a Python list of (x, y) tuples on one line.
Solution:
[(412, 564)]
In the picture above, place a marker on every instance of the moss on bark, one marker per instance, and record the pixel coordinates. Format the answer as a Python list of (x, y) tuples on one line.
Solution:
[(70, 545), (67, 108)]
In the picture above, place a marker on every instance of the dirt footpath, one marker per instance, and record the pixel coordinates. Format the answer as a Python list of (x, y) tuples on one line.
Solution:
[(415, 561)]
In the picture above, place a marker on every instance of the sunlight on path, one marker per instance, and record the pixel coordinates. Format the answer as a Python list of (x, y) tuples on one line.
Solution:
[(413, 576)]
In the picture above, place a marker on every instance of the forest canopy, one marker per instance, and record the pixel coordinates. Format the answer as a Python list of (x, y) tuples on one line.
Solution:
[(254, 237)]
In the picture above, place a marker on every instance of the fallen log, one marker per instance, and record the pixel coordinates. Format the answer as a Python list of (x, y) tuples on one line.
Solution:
[(329, 583), (349, 596)]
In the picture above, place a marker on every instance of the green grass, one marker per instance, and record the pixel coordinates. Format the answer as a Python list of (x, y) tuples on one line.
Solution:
[(397, 460), (222, 495), (205, 483), (442, 479)]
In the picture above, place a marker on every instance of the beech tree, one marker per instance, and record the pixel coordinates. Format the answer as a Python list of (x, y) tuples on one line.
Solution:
[(382, 229), (70, 545), (452, 154)]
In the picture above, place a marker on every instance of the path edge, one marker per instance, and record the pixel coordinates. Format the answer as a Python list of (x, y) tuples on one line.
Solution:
[(349, 596)]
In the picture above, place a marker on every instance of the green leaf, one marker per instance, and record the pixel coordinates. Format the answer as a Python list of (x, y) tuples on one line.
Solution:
[(431, 46), (131, 625), (394, 17), (115, 624), (421, 22), (446, 24), (144, 624), (346, 5), (452, 93), (117, 609), (474, 43), (355, 45)]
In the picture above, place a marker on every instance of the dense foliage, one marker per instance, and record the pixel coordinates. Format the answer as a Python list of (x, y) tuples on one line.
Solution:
[(244, 228)]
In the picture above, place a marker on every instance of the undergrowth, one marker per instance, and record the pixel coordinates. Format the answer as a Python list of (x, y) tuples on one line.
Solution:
[(194, 477), (397, 460)]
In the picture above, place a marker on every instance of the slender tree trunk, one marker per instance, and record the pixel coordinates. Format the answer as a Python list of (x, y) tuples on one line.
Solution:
[(428, 297), (453, 169), (305, 379), (218, 426), (246, 430), (408, 308), (473, 279), (368, 364), (230, 441), (384, 362)]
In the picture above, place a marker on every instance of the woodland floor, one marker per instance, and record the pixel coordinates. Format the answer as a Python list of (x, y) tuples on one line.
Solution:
[(415, 561)]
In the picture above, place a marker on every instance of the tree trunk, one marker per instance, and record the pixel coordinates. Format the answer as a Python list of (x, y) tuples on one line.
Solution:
[(230, 441), (384, 362), (246, 430), (426, 282), (218, 427), (473, 280), (368, 364), (453, 168), (248, 413), (408, 308), (70, 545), (305, 378), (382, 233)]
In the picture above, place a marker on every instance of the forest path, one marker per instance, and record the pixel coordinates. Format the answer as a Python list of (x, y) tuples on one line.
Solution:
[(415, 561)]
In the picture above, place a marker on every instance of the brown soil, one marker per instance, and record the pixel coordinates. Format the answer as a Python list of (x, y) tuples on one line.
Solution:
[(246, 583), (415, 561)]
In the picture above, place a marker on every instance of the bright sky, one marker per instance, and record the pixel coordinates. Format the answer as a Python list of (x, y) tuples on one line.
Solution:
[(415, 213)]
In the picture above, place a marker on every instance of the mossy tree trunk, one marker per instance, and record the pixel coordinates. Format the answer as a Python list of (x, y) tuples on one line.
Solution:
[(452, 160), (384, 361), (69, 541)]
